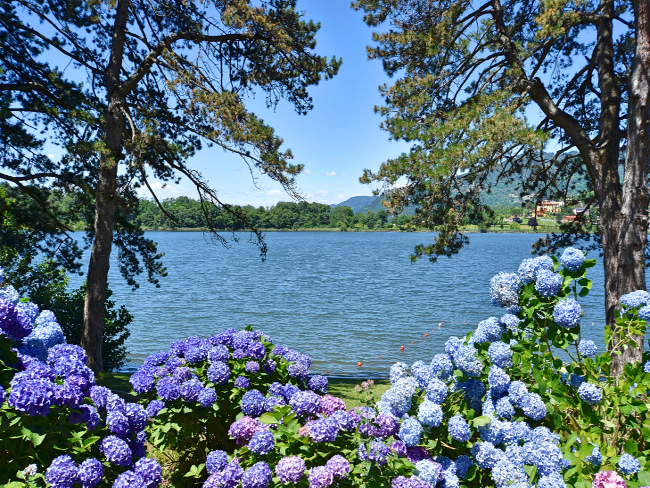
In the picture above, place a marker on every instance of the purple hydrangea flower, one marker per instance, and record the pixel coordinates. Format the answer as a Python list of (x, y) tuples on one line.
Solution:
[(305, 403), (388, 426), (289, 391), (262, 442), (324, 430), (218, 353), (118, 424), (69, 395), (269, 366), (298, 370), (320, 477), (252, 366), (90, 473), (11, 323), (339, 466), (330, 404), (231, 475), (191, 389), (62, 472), (273, 401), (290, 469), (378, 452), (150, 471), (399, 448), (243, 429)]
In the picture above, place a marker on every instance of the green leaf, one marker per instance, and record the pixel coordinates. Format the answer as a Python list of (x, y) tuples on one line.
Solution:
[(267, 418), (482, 420), (631, 447), (644, 478)]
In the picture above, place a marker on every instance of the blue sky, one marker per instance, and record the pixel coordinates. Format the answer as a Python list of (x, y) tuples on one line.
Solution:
[(335, 141)]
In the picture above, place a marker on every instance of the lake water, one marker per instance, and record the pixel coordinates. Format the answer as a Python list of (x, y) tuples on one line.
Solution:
[(340, 297)]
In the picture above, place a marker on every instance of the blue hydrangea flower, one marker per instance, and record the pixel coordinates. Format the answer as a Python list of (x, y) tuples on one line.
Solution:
[(492, 431), (421, 373), (231, 475), (548, 283), (504, 408), (10, 294), (590, 393), (218, 373), (154, 407), (587, 348), (378, 452), (116, 450), (262, 442), (567, 313), (298, 370), (429, 471), (129, 479), (430, 414), (500, 354), (545, 456), (506, 473), (644, 313), (218, 353), (90, 473), (441, 366), (489, 330), (344, 420), (485, 455), (463, 463), (458, 429), (572, 259), (474, 389), (504, 289), (305, 403), (11, 323), (168, 389), (452, 345), (242, 382), (32, 396), (527, 270), (256, 350), (436, 391), (289, 391), (207, 397), (533, 406), (516, 391), (410, 431), (511, 321), (397, 372), (150, 471), (62, 472), (636, 299), (252, 403), (465, 358), (318, 383), (595, 458), (498, 379), (216, 461), (552, 480)]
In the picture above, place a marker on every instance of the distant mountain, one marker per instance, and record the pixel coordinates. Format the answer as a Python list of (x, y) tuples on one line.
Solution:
[(357, 203)]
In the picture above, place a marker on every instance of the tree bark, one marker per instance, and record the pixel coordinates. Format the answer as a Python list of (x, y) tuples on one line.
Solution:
[(632, 223), (105, 203)]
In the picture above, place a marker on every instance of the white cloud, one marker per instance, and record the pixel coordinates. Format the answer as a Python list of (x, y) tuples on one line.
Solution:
[(51, 156), (331, 173), (322, 193), (273, 192), (306, 172)]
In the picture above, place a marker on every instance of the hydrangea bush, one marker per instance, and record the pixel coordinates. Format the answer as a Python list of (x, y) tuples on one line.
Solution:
[(523, 400), (195, 390), (312, 441), (57, 427)]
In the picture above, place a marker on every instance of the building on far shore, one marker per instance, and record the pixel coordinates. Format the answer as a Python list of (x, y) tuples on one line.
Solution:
[(549, 206)]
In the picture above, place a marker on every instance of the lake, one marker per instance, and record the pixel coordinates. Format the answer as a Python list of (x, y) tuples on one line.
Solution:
[(341, 297)]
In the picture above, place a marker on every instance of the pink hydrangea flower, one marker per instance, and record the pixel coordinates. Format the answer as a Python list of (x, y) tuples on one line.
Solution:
[(608, 479)]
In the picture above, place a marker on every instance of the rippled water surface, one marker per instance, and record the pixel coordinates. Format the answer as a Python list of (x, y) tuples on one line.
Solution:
[(341, 297)]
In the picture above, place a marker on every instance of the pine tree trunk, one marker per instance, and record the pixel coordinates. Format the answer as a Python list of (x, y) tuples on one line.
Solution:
[(105, 200), (631, 224)]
